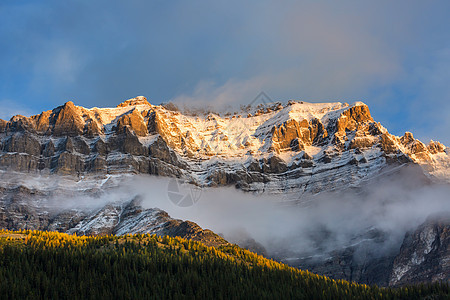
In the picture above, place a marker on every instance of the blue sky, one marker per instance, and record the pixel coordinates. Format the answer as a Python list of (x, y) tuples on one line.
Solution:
[(393, 55)]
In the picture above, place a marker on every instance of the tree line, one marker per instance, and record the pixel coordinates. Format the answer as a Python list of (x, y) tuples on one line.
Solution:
[(52, 265)]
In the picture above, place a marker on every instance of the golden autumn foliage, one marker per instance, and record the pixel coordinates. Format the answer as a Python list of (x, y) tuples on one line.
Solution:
[(40, 265)]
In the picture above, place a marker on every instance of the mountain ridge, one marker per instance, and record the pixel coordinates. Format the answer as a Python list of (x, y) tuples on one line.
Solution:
[(277, 148), (297, 151)]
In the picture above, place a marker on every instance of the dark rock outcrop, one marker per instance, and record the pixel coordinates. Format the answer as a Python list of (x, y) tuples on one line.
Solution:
[(159, 149), (100, 147), (425, 253), (68, 163), (18, 212), (19, 124), (23, 142), (3, 124), (192, 231), (20, 162), (92, 129), (127, 143), (360, 262), (49, 149)]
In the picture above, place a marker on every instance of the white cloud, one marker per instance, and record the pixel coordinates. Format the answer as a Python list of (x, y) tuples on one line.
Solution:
[(230, 93)]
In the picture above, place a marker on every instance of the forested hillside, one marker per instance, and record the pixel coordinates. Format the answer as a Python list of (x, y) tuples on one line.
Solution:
[(45, 265)]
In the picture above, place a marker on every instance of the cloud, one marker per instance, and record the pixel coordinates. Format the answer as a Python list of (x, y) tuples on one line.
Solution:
[(343, 52), (9, 108), (313, 51), (204, 52), (209, 93), (329, 222), (318, 225)]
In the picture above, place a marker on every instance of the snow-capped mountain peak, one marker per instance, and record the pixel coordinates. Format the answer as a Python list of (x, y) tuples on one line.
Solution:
[(297, 146)]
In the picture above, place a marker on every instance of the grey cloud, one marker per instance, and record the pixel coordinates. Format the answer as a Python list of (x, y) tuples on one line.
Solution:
[(317, 225), (98, 54)]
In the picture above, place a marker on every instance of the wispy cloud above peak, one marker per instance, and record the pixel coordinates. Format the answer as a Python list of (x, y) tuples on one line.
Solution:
[(215, 53)]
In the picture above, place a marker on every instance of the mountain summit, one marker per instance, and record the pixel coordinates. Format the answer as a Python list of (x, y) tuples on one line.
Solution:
[(139, 100), (277, 148)]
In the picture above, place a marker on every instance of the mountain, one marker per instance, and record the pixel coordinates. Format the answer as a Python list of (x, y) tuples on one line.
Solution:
[(298, 151), (424, 253), (423, 256), (297, 147)]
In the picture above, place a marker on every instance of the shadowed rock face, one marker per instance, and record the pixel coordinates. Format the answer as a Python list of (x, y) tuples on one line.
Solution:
[(3, 124), (22, 142), (16, 211), (424, 256), (425, 253), (192, 231), (359, 263)]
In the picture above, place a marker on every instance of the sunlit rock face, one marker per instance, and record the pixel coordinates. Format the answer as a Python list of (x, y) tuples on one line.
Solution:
[(308, 147), (139, 100), (134, 121)]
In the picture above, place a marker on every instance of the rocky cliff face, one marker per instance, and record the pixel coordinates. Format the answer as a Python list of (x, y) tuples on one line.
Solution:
[(359, 261), (298, 147), (425, 253)]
